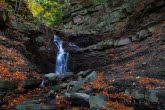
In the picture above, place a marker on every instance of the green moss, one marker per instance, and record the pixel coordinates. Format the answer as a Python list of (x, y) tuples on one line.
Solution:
[(104, 45)]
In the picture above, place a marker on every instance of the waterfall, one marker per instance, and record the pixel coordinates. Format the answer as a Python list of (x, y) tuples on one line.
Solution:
[(62, 57)]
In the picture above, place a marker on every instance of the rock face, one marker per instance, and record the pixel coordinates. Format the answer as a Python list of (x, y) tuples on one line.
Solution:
[(108, 15), (93, 17), (115, 31)]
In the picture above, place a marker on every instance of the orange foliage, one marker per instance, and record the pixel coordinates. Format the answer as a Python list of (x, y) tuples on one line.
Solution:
[(100, 83), (61, 101), (19, 76), (97, 83), (6, 74), (12, 53), (16, 59), (145, 82), (17, 100), (36, 75), (121, 96)]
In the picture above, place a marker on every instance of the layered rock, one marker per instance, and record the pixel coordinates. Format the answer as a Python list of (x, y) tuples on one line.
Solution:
[(115, 32)]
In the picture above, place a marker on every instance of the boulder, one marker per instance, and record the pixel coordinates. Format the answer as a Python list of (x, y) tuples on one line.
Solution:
[(78, 99), (151, 95), (51, 76), (30, 83), (6, 84), (138, 93), (125, 83), (84, 73), (143, 34), (92, 76), (97, 101), (75, 85)]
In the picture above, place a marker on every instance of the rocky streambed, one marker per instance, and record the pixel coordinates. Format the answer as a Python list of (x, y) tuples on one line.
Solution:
[(93, 90)]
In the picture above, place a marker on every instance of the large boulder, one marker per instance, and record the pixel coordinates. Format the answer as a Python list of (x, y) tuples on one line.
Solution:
[(97, 101), (7, 84)]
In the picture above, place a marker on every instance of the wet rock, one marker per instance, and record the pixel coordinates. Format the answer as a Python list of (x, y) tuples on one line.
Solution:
[(113, 90), (82, 96), (78, 99), (51, 76), (84, 73), (63, 85), (75, 85), (56, 88), (138, 93), (152, 95), (28, 107), (97, 101), (30, 83), (122, 42), (6, 84), (88, 91), (92, 76), (125, 83)]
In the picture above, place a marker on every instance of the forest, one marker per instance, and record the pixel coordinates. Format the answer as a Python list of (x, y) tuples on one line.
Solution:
[(82, 55)]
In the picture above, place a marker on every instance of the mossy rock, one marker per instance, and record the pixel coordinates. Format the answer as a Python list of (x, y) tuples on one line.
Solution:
[(3, 19), (30, 83), (6, 84), (106, 44)]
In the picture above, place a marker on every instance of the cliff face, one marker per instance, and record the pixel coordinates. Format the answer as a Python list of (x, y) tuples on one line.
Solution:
[(117, 36), (97, 16)]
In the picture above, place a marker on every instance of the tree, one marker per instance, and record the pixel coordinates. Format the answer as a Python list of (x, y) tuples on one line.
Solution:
[(48, 12)]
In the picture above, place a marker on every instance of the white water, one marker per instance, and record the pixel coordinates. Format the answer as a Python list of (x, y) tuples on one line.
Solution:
[(62, 57)]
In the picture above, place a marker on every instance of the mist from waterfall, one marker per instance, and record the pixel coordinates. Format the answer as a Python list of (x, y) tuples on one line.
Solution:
[(62, 57)]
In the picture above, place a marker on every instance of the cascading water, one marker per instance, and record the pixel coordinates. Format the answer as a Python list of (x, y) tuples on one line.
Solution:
[(62, 57), (61, 60)]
